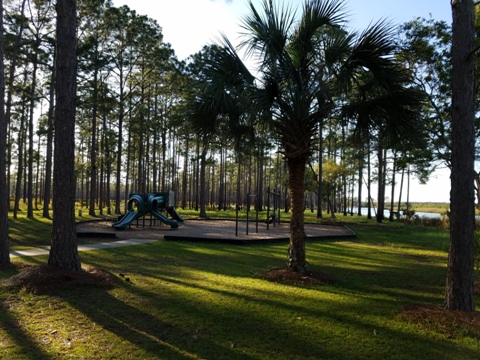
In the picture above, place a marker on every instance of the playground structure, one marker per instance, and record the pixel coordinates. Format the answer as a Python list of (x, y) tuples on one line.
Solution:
[(155, 204), (272, 217)]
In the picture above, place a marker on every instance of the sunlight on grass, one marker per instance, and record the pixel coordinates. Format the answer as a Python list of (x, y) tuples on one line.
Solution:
[(183, 300)]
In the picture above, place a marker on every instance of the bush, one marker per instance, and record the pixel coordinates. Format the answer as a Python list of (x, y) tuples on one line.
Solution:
[(409, 214)]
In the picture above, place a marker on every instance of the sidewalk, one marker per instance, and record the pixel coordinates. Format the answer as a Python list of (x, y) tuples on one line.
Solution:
[(108, 245)]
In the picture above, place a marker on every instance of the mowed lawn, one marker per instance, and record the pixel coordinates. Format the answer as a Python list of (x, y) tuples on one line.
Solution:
[(182, 300)]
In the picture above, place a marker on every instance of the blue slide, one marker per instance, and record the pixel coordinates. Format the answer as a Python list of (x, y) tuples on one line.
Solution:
[(127, 219), (174, 214), (174, 224)]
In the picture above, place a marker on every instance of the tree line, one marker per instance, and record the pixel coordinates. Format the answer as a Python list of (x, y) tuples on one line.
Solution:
[(132, 128), (332, 110)]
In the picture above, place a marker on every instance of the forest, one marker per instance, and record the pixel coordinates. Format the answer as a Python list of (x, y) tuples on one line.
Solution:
[(136, 131)]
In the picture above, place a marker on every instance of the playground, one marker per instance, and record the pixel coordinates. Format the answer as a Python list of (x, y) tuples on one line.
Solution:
[(153, 216), (210, 231), (158, 205)]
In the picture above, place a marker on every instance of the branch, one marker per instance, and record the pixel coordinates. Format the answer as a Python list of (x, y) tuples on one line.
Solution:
[(313, 171), (475, 49)]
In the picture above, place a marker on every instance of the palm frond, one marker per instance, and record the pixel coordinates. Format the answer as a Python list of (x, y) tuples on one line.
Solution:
[(267, 35), (373, 52)]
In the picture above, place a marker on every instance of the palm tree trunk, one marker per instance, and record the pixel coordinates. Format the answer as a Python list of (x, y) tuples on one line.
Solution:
[(296, 252)]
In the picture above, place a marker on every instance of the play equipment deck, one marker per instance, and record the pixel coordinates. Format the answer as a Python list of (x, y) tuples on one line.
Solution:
[(227, 231), (217, 231)]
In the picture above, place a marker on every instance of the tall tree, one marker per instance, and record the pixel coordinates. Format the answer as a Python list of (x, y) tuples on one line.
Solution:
[(4, 243), (49, 150), (459, 294), (64, 250), (305, 66)]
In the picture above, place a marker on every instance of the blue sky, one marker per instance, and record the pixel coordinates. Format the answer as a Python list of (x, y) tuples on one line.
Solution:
[(190, 24)]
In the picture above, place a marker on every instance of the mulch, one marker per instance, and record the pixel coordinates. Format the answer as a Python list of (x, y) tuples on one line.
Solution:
[(45, 278), (289, 276), (449, 323)]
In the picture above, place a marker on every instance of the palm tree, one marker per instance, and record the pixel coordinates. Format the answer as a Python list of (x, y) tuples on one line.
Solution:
[(307, 65)]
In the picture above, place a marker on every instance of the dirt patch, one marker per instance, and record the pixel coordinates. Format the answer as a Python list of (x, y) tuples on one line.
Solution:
[(44, 278), (289, 276), (449, 323)]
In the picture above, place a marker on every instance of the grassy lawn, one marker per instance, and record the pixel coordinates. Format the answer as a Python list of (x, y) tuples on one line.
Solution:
[(181, 300)]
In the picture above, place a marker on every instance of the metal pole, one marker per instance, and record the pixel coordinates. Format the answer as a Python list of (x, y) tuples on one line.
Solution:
[(268, 208), (256, 214), (274, 220), (248, 209), (236, 221)]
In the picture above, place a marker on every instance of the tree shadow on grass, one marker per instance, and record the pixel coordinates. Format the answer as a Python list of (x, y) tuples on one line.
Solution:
[(100, 311), (25, 344), (11, 326)]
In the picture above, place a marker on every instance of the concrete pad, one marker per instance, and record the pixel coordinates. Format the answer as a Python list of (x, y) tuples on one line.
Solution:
[(100, 246)]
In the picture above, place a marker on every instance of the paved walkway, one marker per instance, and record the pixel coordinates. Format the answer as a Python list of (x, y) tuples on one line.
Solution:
[(107, 245)]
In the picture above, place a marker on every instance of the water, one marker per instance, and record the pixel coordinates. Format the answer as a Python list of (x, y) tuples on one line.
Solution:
[(428, 215)]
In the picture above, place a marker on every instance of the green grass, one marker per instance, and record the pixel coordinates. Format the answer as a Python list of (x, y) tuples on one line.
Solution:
[(27, 233), (208, 301)]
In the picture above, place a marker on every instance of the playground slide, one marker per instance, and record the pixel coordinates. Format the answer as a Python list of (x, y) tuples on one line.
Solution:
[(165, 220), (127, 219), (173, 213)]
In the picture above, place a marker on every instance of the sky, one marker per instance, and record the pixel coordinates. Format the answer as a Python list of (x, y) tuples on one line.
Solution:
[(188, 25)]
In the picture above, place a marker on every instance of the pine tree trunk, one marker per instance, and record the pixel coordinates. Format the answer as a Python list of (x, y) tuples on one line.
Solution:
[(381, 185), (30, 142), (118, 177), (64, 251), (49, 154), (401, 190), (459, 294), (261, 173), (93, 149), (320, 170), (360, 182), (369, 182), (203, 193), (4, 242), (392, 195)]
